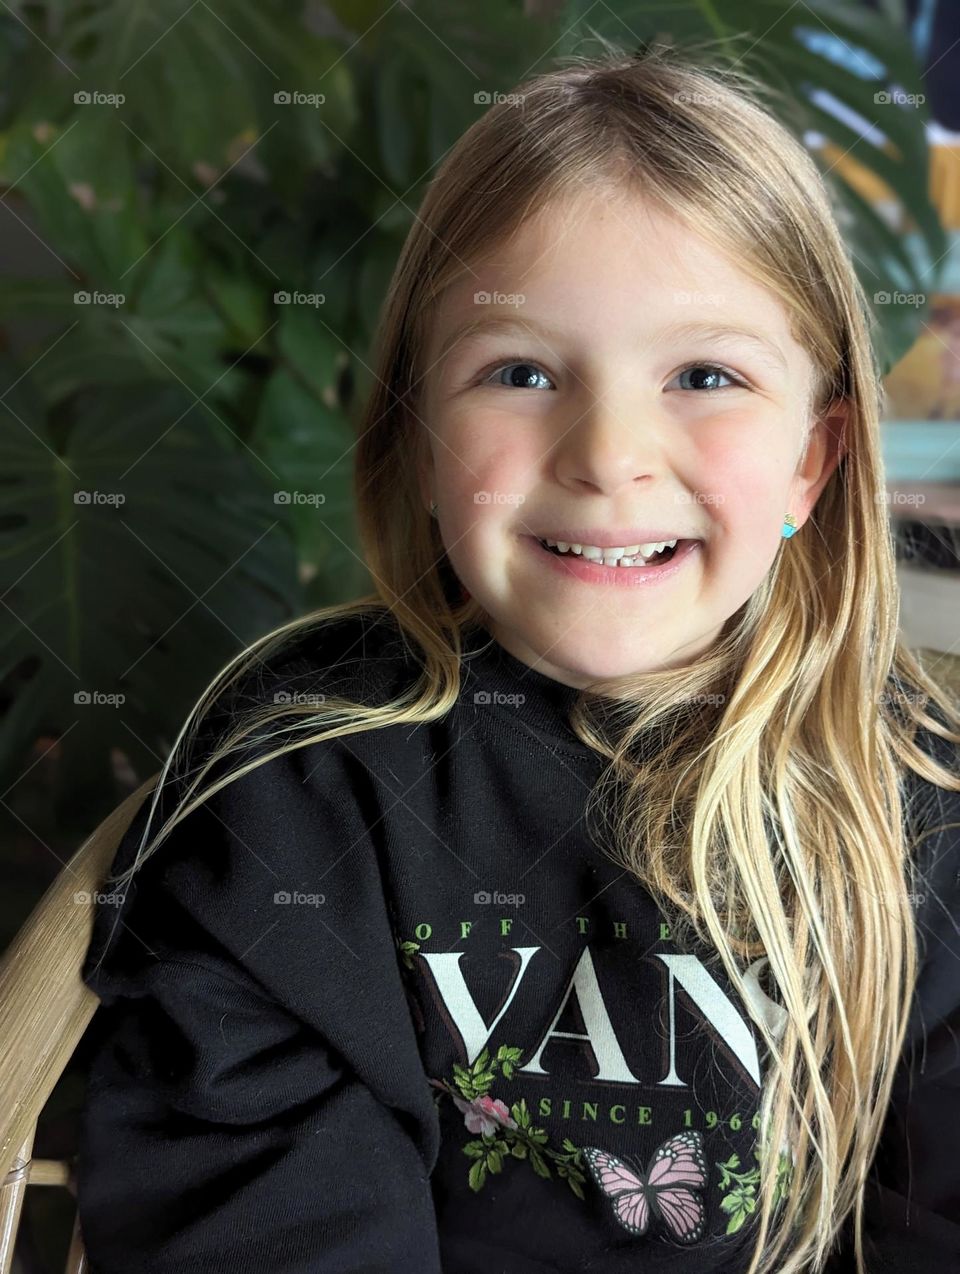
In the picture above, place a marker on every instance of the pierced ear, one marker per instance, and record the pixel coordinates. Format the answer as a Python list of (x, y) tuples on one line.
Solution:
[(837, 419)]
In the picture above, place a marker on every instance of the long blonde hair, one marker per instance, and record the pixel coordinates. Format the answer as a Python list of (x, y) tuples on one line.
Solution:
[(771, 818)]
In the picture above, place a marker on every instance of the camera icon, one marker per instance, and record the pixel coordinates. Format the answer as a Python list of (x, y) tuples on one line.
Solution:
[(81, 98), (481, 896), (281, 896), (482, 98), (281, 98), (281, 298), (481, 298), (281, 497)]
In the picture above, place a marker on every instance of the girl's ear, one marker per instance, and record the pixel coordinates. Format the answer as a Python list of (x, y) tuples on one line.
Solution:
[(837, 420), (826, 446)]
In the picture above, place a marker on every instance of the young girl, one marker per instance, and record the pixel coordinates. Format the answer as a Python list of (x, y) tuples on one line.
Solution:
[(585, 898)]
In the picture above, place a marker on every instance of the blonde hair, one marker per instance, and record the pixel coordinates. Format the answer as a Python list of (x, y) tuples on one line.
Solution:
[(770, 819)]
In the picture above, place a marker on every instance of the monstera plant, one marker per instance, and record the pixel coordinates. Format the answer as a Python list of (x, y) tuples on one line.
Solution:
[(215, 195)]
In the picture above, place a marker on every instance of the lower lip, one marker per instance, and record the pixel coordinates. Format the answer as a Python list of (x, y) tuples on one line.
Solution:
[(576, 567)]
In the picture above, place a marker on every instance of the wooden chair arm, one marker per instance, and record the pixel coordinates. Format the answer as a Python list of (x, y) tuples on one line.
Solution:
[(45, 1006)]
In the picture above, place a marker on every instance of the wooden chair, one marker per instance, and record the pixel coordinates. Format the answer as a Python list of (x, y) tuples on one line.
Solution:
[(45, 1007)]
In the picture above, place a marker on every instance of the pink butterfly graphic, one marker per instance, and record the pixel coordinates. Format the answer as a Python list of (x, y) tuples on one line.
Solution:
[(676, 1169)]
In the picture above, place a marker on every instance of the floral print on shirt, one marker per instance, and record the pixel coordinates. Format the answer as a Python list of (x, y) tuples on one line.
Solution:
[(503, 1132)]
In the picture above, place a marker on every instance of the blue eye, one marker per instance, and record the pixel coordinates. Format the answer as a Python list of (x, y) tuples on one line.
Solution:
[(712, 370), (525, 380), (526, 375)]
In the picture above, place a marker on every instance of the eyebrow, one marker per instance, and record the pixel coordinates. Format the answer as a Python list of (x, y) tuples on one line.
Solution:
[(705, 330), (725, 331)]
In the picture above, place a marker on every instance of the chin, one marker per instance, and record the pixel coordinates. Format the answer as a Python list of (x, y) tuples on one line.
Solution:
[(603, 661), (603, 669)]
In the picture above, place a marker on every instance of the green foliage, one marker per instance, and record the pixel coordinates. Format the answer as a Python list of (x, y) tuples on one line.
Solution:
[(741, 1200), (784, 46), (523, 1140), (207, 192)]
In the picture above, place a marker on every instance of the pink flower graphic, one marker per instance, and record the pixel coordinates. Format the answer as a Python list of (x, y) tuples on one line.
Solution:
[(484, 1114)]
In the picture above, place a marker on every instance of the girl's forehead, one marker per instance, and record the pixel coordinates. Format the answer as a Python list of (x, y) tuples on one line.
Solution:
[(596, 255), (579, 209)]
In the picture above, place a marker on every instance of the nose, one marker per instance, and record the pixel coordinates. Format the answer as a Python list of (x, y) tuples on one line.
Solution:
[(605, 448)]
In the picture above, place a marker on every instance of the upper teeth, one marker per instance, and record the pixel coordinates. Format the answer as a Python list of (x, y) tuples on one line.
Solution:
[(610, 556)]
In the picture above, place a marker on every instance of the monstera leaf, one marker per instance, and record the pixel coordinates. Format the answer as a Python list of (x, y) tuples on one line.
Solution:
[(209, 74), (136, 557), (832, 67), (308, 448)]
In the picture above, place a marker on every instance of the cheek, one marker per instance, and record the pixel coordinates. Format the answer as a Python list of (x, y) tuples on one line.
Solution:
[(745, 474), (485, 465), (748, 484)]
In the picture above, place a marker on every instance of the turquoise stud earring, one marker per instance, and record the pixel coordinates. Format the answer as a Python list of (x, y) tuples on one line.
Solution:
[(789, 526)]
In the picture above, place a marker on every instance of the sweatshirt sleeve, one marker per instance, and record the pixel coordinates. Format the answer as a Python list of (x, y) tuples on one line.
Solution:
[(253, 1099), (912, 1196)]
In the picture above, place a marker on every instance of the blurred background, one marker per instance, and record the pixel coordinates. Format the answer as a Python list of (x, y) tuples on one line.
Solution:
[(201, 203)]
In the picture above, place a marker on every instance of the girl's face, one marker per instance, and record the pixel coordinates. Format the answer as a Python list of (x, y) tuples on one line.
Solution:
[(609, 379)]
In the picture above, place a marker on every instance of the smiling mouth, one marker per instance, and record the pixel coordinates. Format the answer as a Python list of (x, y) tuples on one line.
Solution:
[(621, 561)]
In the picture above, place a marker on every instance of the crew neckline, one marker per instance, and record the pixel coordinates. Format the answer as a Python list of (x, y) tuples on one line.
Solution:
[(489, 667)]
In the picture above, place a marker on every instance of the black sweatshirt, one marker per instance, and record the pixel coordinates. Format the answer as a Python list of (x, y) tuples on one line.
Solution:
[(383, 1004)]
